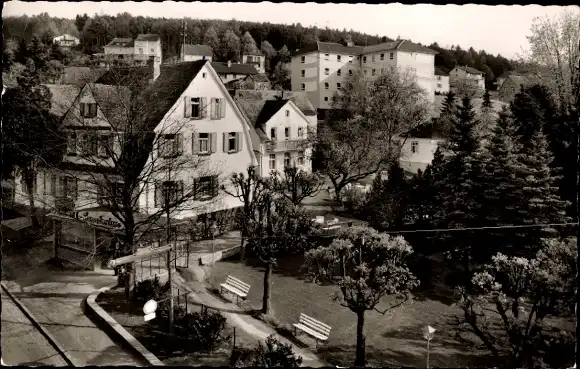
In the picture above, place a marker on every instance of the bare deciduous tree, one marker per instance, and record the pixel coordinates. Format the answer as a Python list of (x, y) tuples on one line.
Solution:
[(366, 129)]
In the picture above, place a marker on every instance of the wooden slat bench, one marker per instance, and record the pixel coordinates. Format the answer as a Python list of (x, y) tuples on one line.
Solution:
[(312, 327), (235, 286)]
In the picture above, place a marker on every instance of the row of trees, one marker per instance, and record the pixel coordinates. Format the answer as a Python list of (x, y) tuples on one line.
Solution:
[(98, 30)]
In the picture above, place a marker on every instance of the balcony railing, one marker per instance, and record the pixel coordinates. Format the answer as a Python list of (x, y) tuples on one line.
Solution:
[(286, 145)]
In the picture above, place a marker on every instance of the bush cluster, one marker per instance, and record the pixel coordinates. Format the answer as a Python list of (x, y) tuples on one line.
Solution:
[(274, 354)]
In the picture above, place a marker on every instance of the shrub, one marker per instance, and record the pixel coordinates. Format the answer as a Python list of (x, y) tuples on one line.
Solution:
[(354, 199), (204, 328), (150, 289), (274, 354)]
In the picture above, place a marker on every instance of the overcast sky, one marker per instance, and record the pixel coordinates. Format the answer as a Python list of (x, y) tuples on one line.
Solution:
[(495, 29)]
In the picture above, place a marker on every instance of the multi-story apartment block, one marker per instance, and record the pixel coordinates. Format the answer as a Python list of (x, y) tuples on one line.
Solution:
[(322, 68), (441, 82), (196, 52), (282, 126), (466, 76), (135, 52)]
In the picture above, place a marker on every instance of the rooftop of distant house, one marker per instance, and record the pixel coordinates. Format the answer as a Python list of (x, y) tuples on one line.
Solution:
[(469, 70), (233, 68), (148, 37), (336, 48), (201, 50), (121, 42)]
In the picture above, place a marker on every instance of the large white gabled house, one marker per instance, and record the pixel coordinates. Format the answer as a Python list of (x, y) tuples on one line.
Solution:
[(282, 124), (200, 119)]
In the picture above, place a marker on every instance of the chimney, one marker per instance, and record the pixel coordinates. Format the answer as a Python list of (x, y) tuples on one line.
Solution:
[(229, 63)]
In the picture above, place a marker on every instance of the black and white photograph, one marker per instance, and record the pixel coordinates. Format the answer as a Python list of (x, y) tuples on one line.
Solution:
[(262, 184)]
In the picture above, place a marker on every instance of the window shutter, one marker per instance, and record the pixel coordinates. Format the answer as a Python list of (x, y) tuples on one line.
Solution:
[(82, 106), (214, 186), (222, 108), (74, 188), (225, 141), (187, 107), (239, 141), (202, 107), (178, 144), (212, 108), (53, 184), (158, 195), (160, 144), (93, 110), (195, 188), (195, 143), (213, 142)]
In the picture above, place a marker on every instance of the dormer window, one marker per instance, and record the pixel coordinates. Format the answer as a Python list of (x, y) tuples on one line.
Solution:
[(88, 110)]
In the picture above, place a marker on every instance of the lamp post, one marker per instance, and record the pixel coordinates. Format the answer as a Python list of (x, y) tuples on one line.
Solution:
[(428, 334)]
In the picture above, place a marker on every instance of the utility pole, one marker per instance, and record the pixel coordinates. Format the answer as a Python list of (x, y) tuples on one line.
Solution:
[(184, 24), (167, 187)]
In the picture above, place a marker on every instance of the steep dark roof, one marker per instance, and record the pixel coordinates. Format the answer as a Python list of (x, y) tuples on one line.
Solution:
[(261, 78), (203, 50), (159, 97), (148, 37), (251, 102), (121, 42), (63, 97), (470, 70), (79, 76), (335, 48), (270, 108), (235, 68), (330, 47)]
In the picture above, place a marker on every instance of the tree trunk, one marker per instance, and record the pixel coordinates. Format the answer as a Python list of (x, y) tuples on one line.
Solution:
[(29, 181), (266, 296), (129, 280), (243, 246), (360, 340)]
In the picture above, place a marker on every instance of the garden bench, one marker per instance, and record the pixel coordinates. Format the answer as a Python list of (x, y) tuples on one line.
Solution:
[(312, 327), (235, 286)]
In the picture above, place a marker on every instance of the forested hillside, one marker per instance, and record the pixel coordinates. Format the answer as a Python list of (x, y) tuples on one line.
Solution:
[(224, 36)]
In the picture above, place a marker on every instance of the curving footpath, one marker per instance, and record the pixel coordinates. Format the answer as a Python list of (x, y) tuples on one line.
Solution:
[(117, 330)]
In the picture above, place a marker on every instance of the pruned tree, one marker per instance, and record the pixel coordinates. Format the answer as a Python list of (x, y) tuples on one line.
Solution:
[(251, 190), (373, 265), (521, 294), (278, 227), (368, 125), (296, 184)]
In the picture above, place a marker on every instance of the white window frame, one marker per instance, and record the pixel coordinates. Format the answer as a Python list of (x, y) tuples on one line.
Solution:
[(326, 85), (303, 87), (201, 140), (325, 98), (287, 160), (300, 132), (383, 56), (326, 56), (303, 73), (326, 71), (364, 59), (415, 147), (232, 140), (272, 162), (287, 133), (392, 56), (338, 86), (372, 58), (338, 58), (374, 72), (303, 59), (300, 158), (195, 101), (273, 134), (287, 112), (350, 58), (338, 72)]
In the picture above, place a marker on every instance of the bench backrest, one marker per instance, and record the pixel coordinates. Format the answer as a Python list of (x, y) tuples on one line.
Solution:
[(234, 282), (315, 325)]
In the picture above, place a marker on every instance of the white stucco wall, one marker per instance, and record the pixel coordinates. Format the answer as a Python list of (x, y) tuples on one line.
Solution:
[(441, 84), (218, 163), (190, 58), (423, 156), (311, 79)]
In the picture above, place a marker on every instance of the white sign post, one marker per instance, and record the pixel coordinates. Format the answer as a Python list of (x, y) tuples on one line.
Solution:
[(149, 309), (428, 334)]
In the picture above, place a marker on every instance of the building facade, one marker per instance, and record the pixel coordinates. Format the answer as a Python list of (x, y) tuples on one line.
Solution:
[(196, 52), (66, 40), (258, 60), (441, 82), (282, 126), (321, 69), (140, 51), (466, 76)]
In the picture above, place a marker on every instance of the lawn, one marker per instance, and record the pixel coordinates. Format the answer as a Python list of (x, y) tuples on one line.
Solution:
[(392, 339), (154, 337)]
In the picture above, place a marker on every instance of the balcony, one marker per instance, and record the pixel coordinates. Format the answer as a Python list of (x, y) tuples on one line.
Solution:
[(287, 145)]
